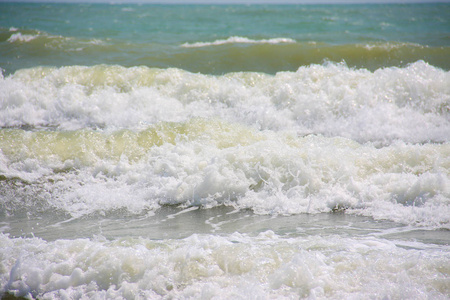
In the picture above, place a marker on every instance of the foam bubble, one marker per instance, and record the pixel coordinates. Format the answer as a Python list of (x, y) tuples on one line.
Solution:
[(199, 266), (296, 142), (209, 162), (408, 104)]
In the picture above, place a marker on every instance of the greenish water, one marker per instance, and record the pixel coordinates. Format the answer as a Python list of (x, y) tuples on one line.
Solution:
[(367, 36)]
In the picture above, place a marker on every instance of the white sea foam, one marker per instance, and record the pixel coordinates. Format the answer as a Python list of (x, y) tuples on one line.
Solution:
[(19, 37), (222, 267), (391, 46), (54, 41), (239, 139), (327, 182), (238, 40), (207, 162), (409, 104)]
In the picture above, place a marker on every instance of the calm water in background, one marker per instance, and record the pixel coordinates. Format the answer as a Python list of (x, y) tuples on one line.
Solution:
[(368, 36), (176, 151)]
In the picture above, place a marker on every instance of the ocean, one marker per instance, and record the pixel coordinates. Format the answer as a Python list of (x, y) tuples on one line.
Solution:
[(224, 151)]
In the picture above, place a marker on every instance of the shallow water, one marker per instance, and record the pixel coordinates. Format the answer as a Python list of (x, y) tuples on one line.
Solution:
[(176, 223)]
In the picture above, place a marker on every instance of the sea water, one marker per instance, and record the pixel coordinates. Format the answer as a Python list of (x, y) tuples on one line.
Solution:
[(225, 152)]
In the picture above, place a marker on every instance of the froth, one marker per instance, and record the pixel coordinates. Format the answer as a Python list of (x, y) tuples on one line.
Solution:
[(238, 40), (21, 37), (408, 104), (208, 162), (207, 266), (392, 46), (40, 43)]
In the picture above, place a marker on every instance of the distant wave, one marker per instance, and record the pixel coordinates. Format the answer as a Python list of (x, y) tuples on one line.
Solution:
[(233, 54), (392, 46), (43, 40), (23, 36), (19, 37), (238, 40)]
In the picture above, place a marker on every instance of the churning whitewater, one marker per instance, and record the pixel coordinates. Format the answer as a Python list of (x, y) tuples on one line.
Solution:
[(410, 104), (224, 152), (302, 142)]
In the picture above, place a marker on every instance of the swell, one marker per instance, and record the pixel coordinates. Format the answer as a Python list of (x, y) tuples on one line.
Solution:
[(271, 58), (28, 48)]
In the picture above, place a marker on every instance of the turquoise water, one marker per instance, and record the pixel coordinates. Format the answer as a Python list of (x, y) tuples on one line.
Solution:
[(368, 36), (224, 152)]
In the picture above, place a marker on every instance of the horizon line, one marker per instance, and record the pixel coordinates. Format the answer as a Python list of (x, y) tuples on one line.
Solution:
[(230, 2)]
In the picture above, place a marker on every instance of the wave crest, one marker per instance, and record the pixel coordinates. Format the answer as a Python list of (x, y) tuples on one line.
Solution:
[(206, 162), (238, 40), (409, 104)]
